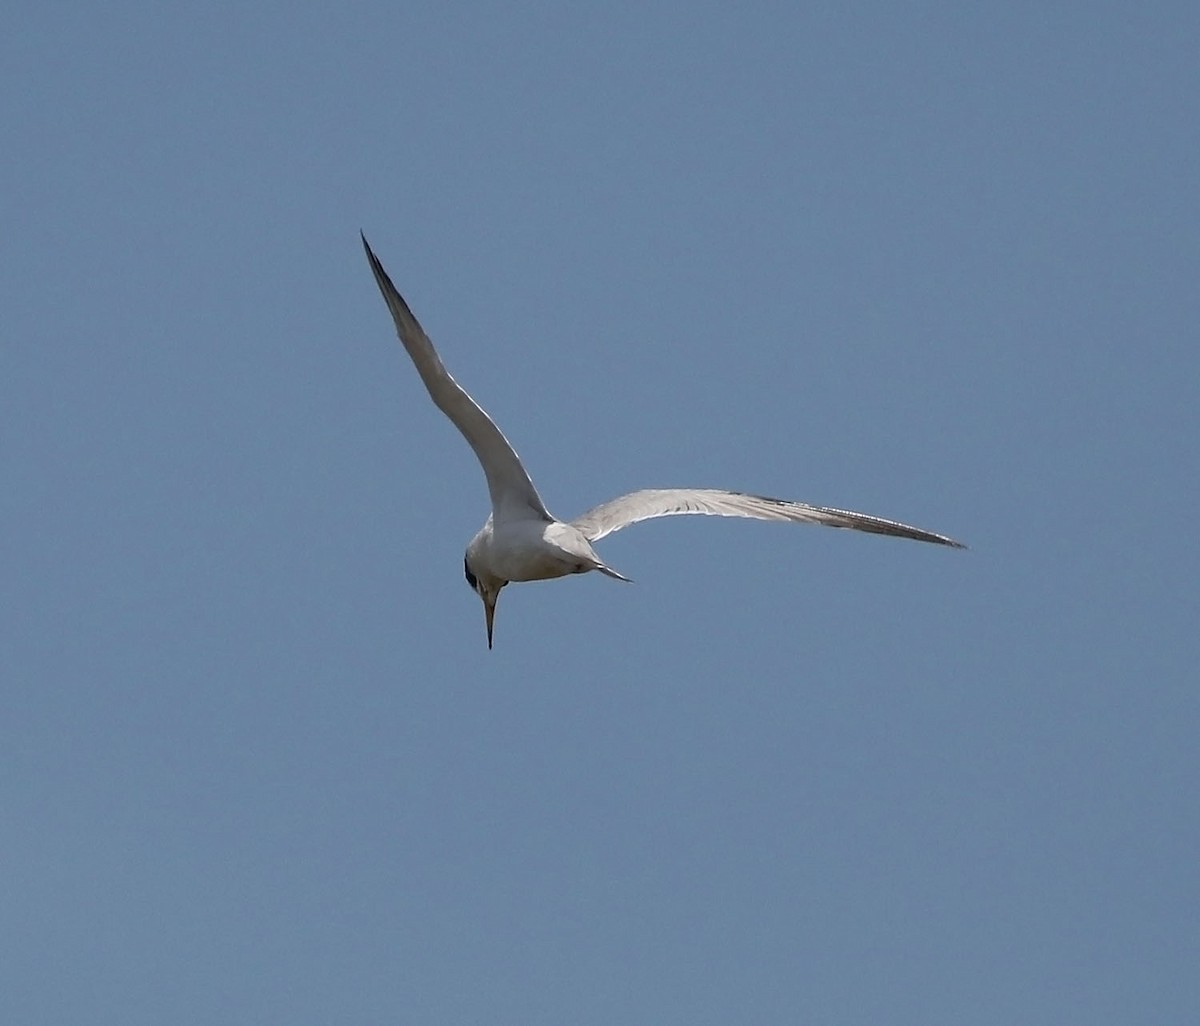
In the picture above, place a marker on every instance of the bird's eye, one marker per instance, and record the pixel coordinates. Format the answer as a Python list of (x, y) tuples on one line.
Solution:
[(470, 576)]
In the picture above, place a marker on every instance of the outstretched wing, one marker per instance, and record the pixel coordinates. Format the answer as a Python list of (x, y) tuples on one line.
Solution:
[(670, 502), (511, 490)]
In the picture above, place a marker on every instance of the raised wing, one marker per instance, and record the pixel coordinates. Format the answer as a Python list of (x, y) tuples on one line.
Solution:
[(511, 490), (671, 502)]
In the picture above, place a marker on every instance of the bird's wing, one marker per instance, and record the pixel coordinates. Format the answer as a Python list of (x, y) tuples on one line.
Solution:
[(511, 490), (669, 502)]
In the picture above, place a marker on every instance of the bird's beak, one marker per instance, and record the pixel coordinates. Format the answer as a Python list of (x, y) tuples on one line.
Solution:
[(489, 611)]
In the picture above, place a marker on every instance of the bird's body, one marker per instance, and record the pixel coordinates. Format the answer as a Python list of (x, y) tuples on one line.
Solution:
[(531, 549), (522, 541)]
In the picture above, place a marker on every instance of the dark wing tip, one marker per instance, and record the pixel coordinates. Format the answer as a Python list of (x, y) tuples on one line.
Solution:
[(382, 279), (917, 534), (870, 524), (941, 539), (381, 275), (370, 252)]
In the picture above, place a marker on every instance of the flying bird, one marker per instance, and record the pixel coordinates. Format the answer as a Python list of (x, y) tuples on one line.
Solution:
[(522, 541)]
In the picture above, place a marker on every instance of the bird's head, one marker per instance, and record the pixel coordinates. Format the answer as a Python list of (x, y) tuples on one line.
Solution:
[(487, 588)]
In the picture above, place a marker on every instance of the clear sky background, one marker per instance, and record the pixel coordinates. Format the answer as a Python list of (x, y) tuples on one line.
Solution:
[(936, 262)]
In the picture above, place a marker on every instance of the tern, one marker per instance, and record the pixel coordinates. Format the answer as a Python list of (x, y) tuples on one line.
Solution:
[(522, 541)]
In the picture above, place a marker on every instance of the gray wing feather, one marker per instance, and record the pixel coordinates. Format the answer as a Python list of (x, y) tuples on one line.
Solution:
[(509, 485), (670, 502)]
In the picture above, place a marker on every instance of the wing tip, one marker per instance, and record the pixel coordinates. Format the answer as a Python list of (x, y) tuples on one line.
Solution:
[(950, 543), (860, 521), (384, 281), (374, 260)]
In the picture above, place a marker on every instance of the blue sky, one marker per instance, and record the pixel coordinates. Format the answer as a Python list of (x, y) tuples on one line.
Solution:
[(933, 262)]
